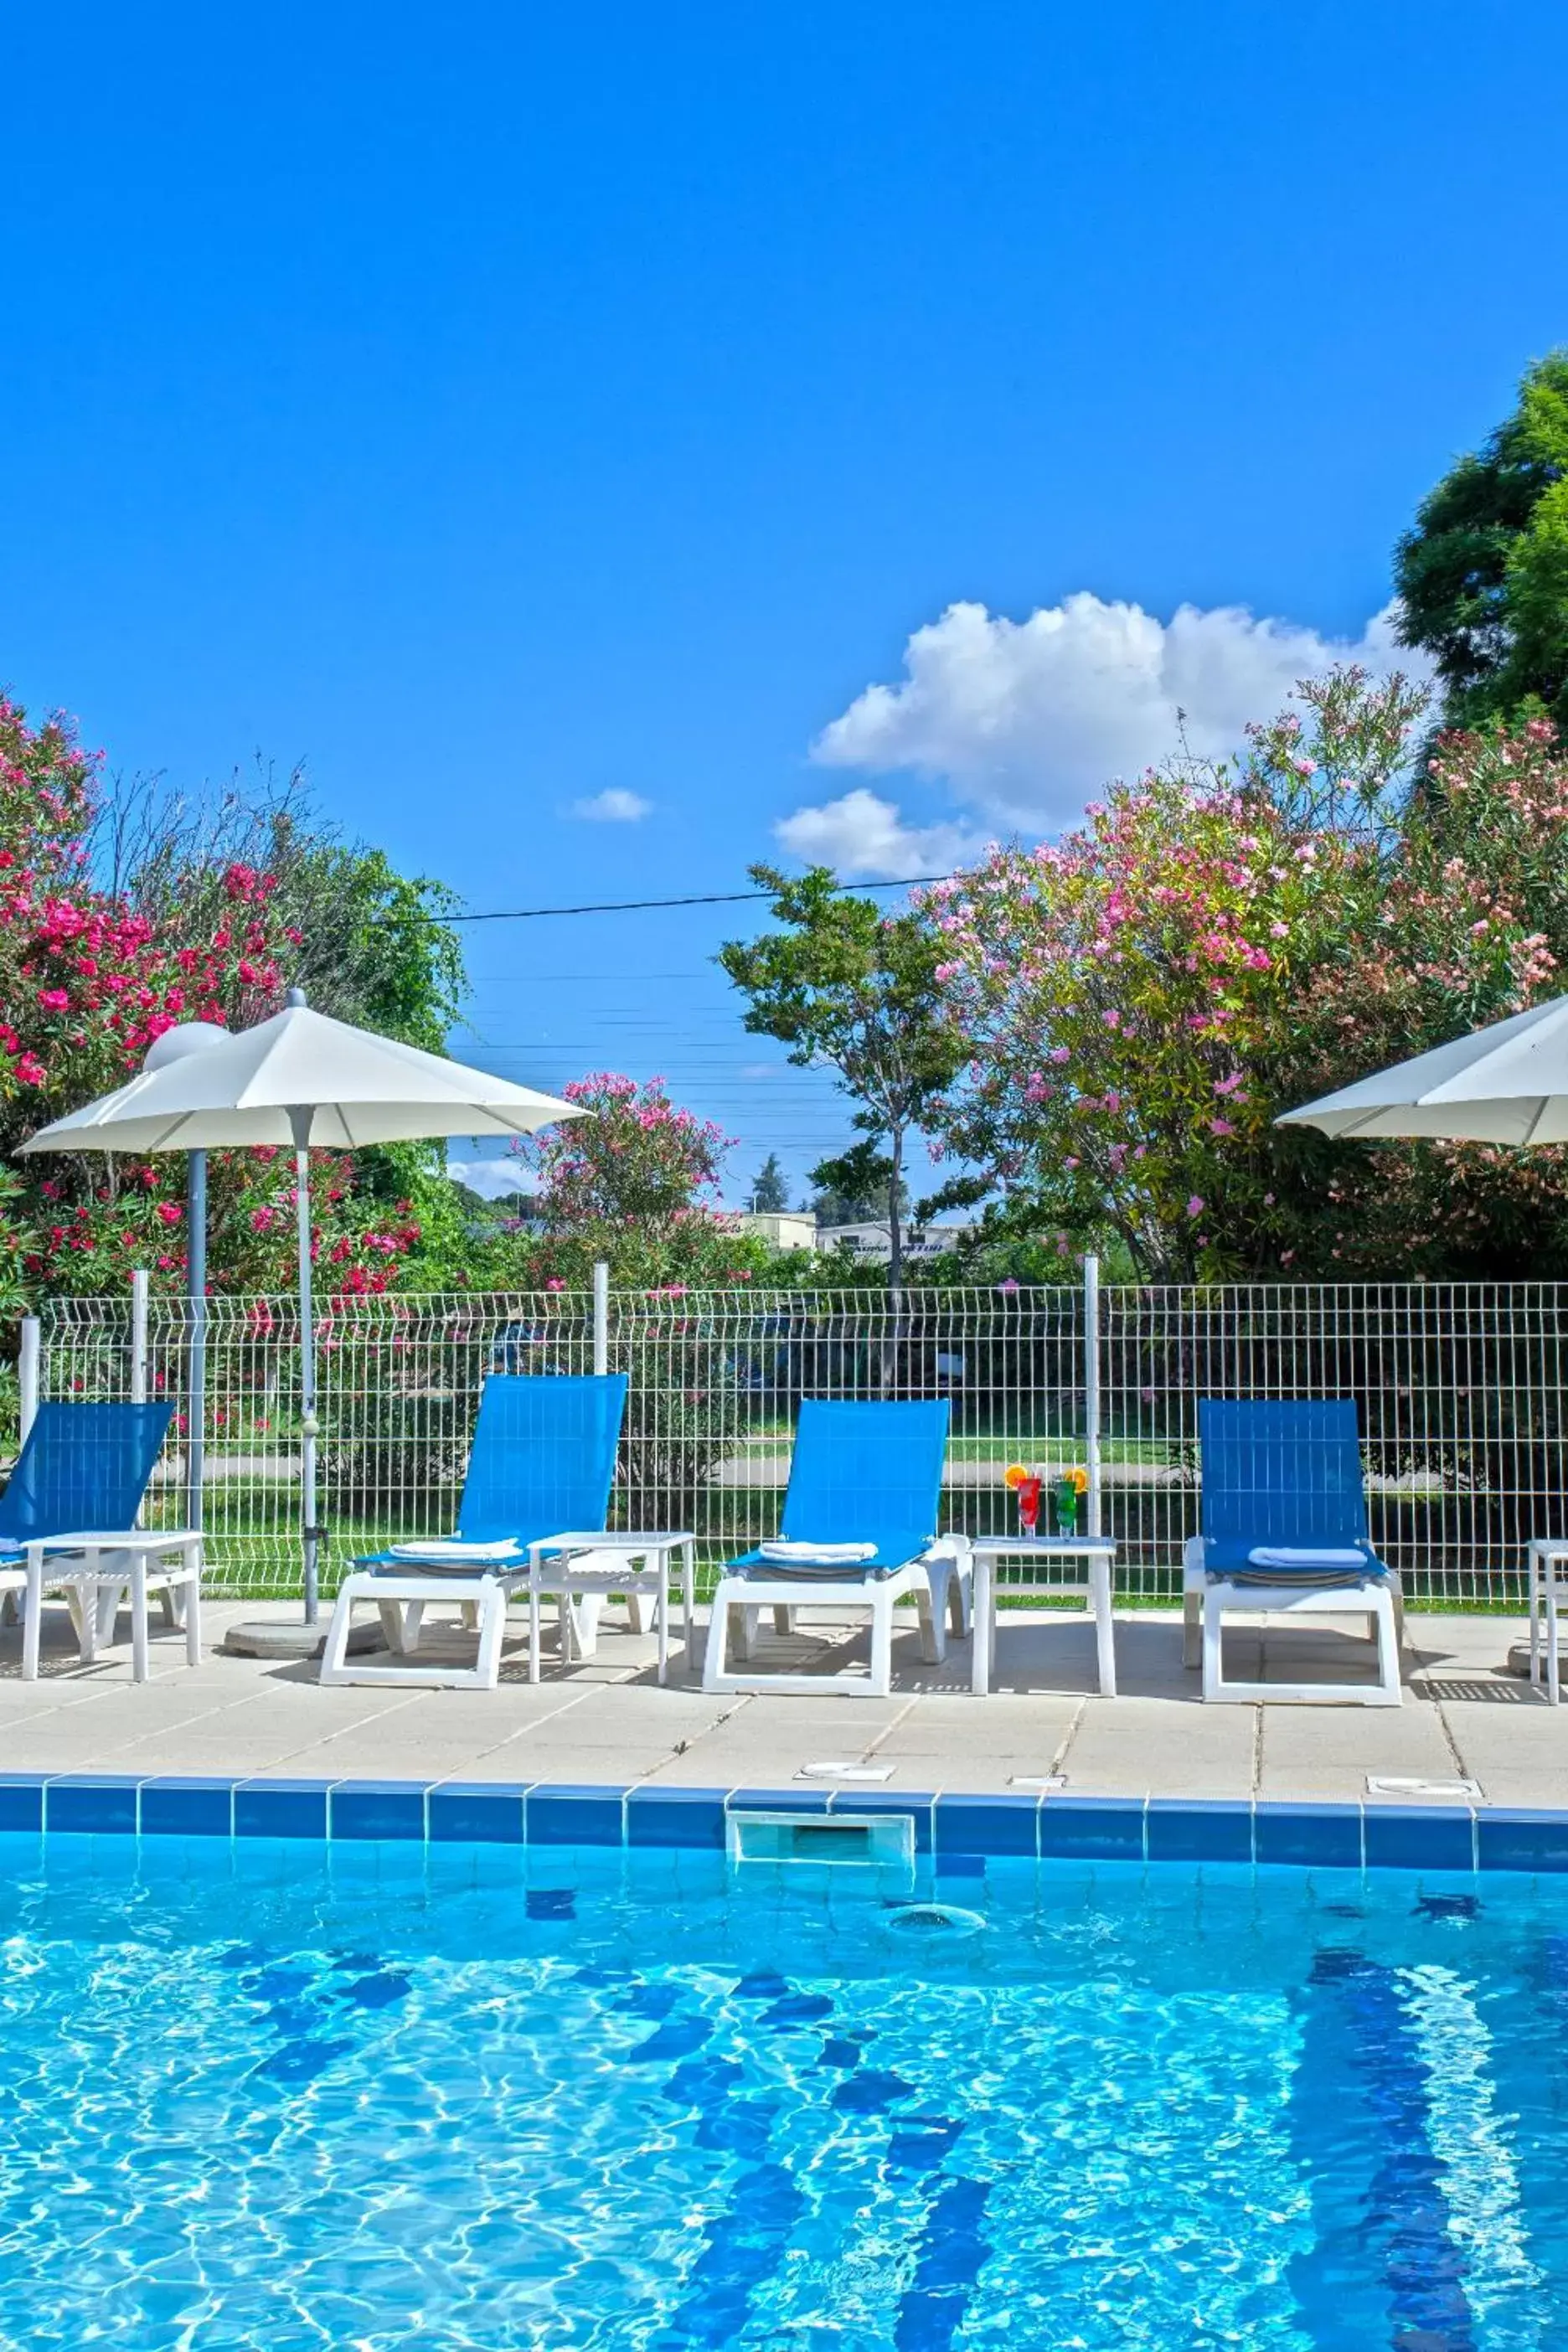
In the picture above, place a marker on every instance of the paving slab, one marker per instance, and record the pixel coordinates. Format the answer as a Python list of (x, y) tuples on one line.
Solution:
[(1132, 1747), (607, 1718)]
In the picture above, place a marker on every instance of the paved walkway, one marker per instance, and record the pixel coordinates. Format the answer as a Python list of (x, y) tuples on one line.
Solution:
[(606, 1720)]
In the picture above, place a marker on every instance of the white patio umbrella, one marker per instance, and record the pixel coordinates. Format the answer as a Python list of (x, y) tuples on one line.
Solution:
[(1505, 1084), (297, 1079)]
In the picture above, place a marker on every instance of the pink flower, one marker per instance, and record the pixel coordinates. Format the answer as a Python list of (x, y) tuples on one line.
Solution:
[(1195, 1205), (1221, 1127), (54, 1000), (170, 1212)]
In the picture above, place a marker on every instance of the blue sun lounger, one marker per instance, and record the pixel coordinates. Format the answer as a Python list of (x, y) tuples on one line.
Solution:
[(1284, 1532), (858, 1532), (67, 1526), (531, 1519)]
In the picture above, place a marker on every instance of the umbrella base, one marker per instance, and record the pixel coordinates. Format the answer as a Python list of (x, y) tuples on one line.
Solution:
[(1518, 1662), (290, 1637)]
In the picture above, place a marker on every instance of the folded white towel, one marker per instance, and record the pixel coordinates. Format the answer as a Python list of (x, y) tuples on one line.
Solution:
[(451, 1551), (1304, 1562), (787, 1553)]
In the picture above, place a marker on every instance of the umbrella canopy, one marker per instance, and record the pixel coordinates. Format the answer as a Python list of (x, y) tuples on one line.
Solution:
[(252, 1086), (297, 1079), (1506, 1084)]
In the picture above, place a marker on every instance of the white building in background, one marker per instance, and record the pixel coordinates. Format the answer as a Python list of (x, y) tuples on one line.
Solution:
[(871, 1242), (874, 1243), (785, 1229)]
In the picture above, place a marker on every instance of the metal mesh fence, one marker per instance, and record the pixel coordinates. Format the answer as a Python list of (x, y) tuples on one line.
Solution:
[(1460, 1390)]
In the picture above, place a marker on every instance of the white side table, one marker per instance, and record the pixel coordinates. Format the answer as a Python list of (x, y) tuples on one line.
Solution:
[(594, 1566), (1548, 1585), (1035, 1554), (94, 1569)]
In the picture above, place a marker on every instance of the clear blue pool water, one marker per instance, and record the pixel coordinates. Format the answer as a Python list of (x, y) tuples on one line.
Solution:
[(366, 2096)]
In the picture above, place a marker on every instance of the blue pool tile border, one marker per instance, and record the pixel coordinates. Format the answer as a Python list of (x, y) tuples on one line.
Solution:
[(960, 1829)]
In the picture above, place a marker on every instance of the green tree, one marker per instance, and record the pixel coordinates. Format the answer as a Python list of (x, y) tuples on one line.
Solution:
[(366, 944), (853, 990), (770, 1193), (842, 1201), (1483, 576)]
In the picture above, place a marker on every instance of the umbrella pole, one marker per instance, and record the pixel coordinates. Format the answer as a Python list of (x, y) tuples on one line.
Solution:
[(299, 1120), (196, 1285)]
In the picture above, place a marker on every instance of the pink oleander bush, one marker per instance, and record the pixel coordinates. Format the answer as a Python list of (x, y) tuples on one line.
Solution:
[(634, 1181), (1216, 944), (86, 985)]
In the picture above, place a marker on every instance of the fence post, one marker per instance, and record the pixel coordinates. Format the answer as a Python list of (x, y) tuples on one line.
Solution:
[(1091, 1392), (601, 1315), (139, 1336), (28, 1374)]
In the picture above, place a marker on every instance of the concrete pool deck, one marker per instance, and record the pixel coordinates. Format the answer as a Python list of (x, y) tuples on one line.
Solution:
[(606, 1720)]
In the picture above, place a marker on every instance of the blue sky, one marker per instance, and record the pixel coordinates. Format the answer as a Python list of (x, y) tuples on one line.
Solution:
[(497, 408)]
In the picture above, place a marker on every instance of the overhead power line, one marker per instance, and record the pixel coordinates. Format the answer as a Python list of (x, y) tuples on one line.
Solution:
[(641, 906)]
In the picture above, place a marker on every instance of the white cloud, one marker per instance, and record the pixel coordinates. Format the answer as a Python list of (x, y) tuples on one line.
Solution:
[(613, 807), (1027, 719), (490, 1178), (862, 836)]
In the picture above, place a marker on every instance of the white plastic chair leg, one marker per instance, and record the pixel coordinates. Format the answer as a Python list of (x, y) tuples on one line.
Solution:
[(717, 1632), (881, 1646), (140, 1662), (1213, 1624), (492, 1626), (1389, 1619), (931, 1604), (191, 1596), (1553, 1674), (391, 1615), (1191, 1627), (33, 1622), (334, 1650)]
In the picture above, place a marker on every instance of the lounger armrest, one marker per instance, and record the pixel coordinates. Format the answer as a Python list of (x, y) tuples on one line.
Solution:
[(1194, 1560)]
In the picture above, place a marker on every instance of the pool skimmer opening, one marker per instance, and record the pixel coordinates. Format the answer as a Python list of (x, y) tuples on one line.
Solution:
[(883, 1840)]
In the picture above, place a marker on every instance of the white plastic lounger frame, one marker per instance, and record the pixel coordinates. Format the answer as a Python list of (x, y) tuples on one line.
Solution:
[(938, 1579), (1195, 1585), (1375, 1600), (579, 1570)]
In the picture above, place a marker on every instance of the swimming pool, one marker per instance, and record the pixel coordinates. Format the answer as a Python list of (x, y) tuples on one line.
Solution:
[(377, 2095)]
